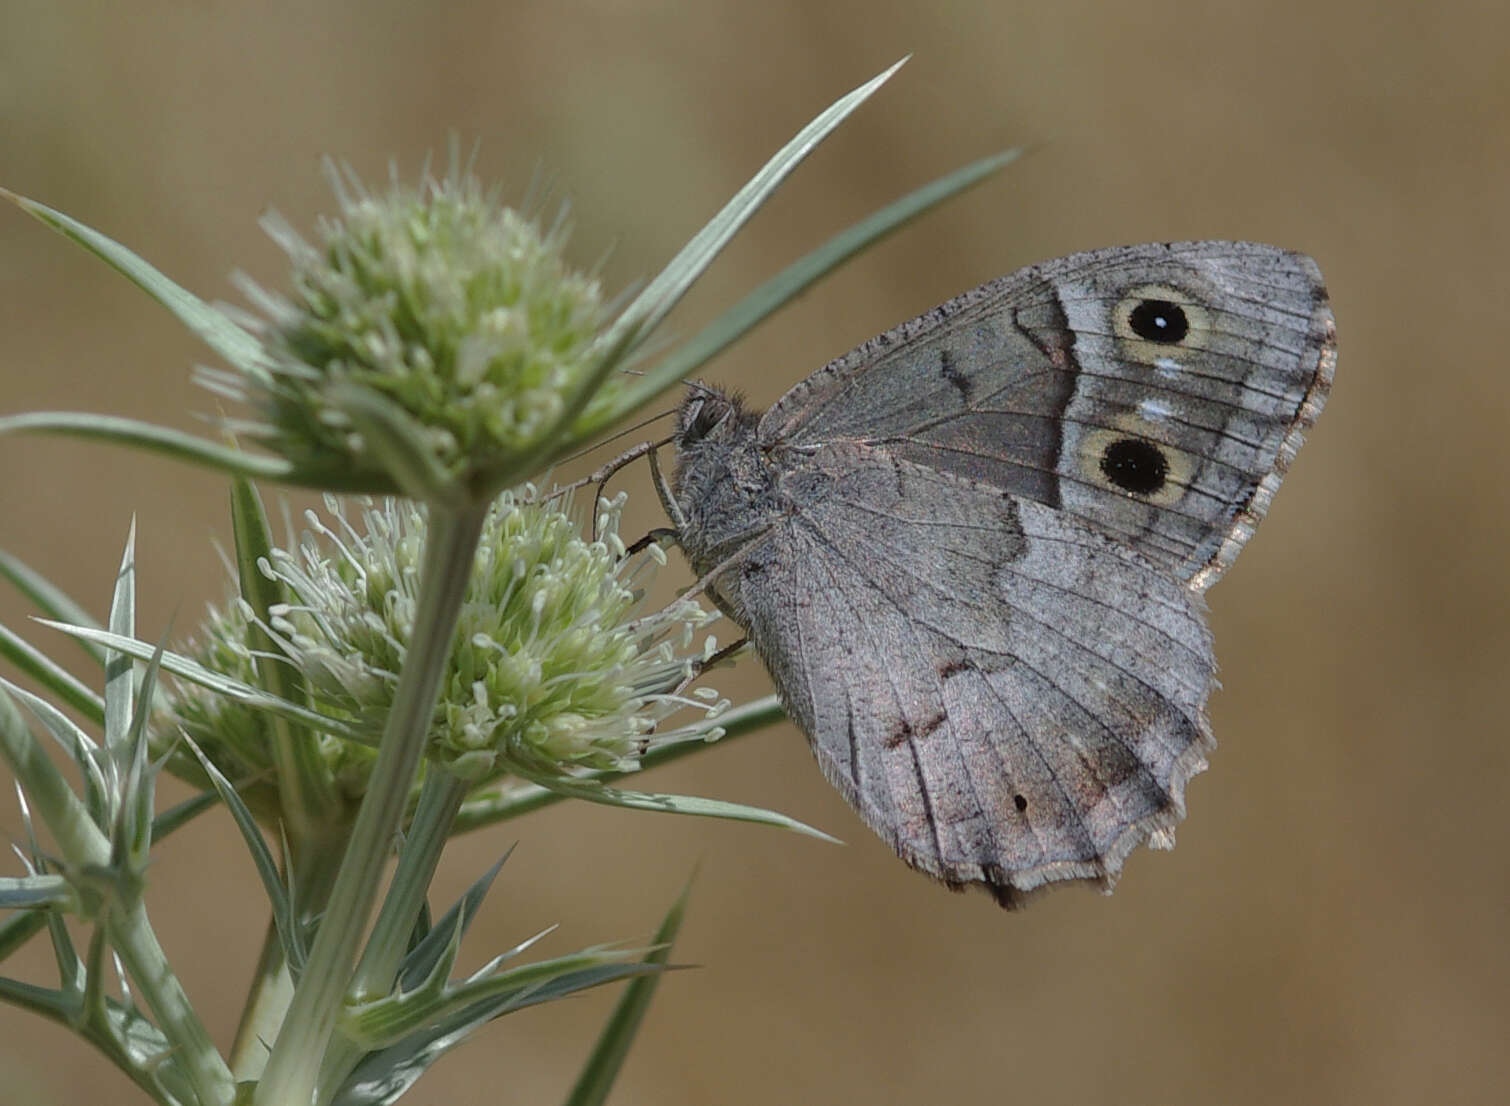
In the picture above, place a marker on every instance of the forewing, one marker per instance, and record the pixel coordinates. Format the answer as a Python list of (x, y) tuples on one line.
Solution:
[(1006, 696), (1043, 384)]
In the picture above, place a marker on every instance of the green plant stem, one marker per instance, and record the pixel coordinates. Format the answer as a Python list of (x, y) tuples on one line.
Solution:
[(80, 841), (193, 1051), (294, 1064), (439, 799), (19, 929), (308, 799), (315, 864), (84, 847), (119, 1038), (266, 1006)]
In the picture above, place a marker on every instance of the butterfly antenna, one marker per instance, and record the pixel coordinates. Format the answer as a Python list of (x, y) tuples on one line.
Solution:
[(615, 437)]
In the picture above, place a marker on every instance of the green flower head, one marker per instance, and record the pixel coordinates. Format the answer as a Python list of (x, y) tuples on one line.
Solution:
[(454, 313), (554, 667)]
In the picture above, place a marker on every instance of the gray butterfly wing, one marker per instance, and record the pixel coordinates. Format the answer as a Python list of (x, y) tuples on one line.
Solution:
[(971, 552), (1006, 695), (1157, 392)]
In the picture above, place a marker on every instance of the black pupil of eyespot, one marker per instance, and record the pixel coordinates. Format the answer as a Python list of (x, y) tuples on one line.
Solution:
[(1159, 321), (1135, 466)]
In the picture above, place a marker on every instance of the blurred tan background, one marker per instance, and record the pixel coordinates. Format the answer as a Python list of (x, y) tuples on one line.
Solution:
[(1333, 925)]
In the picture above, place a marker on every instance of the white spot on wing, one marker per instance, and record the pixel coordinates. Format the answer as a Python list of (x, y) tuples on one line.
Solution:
[(1154, 410), (1167, 366)]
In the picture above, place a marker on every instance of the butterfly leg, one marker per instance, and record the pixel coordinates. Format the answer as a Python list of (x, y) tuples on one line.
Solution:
[(663, 489), (710, 576), (652, 537), (700, 668), (604, 473), (668, 501)]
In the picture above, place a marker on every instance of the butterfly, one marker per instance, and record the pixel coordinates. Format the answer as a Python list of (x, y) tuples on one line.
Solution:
[(972, 552)]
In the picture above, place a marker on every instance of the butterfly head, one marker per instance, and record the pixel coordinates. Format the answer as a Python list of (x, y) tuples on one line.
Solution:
[(703, 414), (723, 486)]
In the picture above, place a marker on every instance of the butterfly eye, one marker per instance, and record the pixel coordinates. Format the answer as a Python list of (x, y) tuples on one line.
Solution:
[(706, 416)]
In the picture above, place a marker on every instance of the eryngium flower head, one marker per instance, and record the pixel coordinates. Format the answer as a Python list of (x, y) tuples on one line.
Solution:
[(439, 300), (554, 666)]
